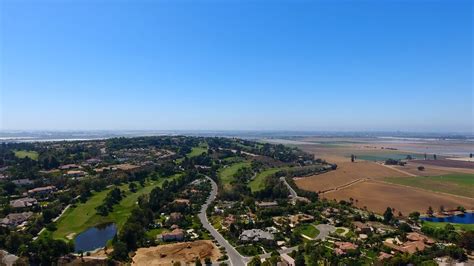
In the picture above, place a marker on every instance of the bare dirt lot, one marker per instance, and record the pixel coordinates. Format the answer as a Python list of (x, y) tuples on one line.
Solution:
[(185, 253), (346, 173), (377, 196)]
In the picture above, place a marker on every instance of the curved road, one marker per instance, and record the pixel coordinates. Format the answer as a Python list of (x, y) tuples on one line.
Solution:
[(234, 256)]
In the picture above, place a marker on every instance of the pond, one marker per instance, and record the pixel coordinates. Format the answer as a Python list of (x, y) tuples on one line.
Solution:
[(467, 218), (95, 237)]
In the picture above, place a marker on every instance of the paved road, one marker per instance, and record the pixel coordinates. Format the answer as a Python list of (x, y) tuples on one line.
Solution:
[(292, 191), (234, 256)]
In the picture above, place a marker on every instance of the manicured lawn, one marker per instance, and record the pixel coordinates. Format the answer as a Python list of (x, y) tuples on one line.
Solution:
[(196, 151), (465, 227), (154, 232), (456, 184), (227, 174), (78, 219), (308, 230), (258, 183), (24, 153)]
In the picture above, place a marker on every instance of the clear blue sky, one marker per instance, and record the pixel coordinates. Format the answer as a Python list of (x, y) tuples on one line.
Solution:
[(264, 65)]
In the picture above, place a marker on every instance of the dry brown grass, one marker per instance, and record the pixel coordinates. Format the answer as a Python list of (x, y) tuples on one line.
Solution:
[(345, 173), (185, 252), (377, 196)]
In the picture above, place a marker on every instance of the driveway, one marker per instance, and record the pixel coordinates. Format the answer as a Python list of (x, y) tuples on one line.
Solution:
[(324, 230)]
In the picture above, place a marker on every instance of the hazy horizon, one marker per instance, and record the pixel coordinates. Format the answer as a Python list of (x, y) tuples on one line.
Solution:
[(263, 66)]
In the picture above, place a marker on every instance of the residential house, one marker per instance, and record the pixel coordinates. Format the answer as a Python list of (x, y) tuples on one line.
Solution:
[(175, 235), (182, 201), (175, 217), (286, 260), (75, 173), (255, 235), (23, 203), (15, 219), (7, 259), (23, 182), (362, 228), (300, 218), (41, 191), (415, 242), (341, 248), (68, 166), (266, 204)]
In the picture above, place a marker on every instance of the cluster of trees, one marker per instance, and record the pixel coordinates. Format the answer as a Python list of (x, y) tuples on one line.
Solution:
[(113, 197), (394, 162)]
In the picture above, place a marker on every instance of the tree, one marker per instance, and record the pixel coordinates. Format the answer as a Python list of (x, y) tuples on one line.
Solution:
[(132, 187), (9, 187), (388, 215), (255, 261), (120, 251), (299, 259), (441, 208), (466, 240), (430, 211), (198, 262), (414, 216)]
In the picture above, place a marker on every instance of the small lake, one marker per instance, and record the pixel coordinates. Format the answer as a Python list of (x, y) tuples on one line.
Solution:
[(94, 237), (467, 218)]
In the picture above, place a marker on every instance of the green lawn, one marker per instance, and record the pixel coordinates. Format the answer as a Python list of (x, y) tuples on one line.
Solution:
[(78, 219), (24, 153), (308, 230), (258, 183), (465, 227), (226, 175), (456, 184), (196, 151)]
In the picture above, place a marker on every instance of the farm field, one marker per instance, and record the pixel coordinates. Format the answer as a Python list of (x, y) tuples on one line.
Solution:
[(258, 183), (447, 163), (345, 173), (456, 184), (185, 253), (226, 175), (75, 220), (377, 196), (24, 153)]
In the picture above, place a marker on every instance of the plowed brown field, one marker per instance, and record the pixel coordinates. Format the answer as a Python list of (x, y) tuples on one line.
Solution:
[(377, 196)]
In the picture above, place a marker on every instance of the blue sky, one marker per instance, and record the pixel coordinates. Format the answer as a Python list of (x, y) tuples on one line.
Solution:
[(253, 65)]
